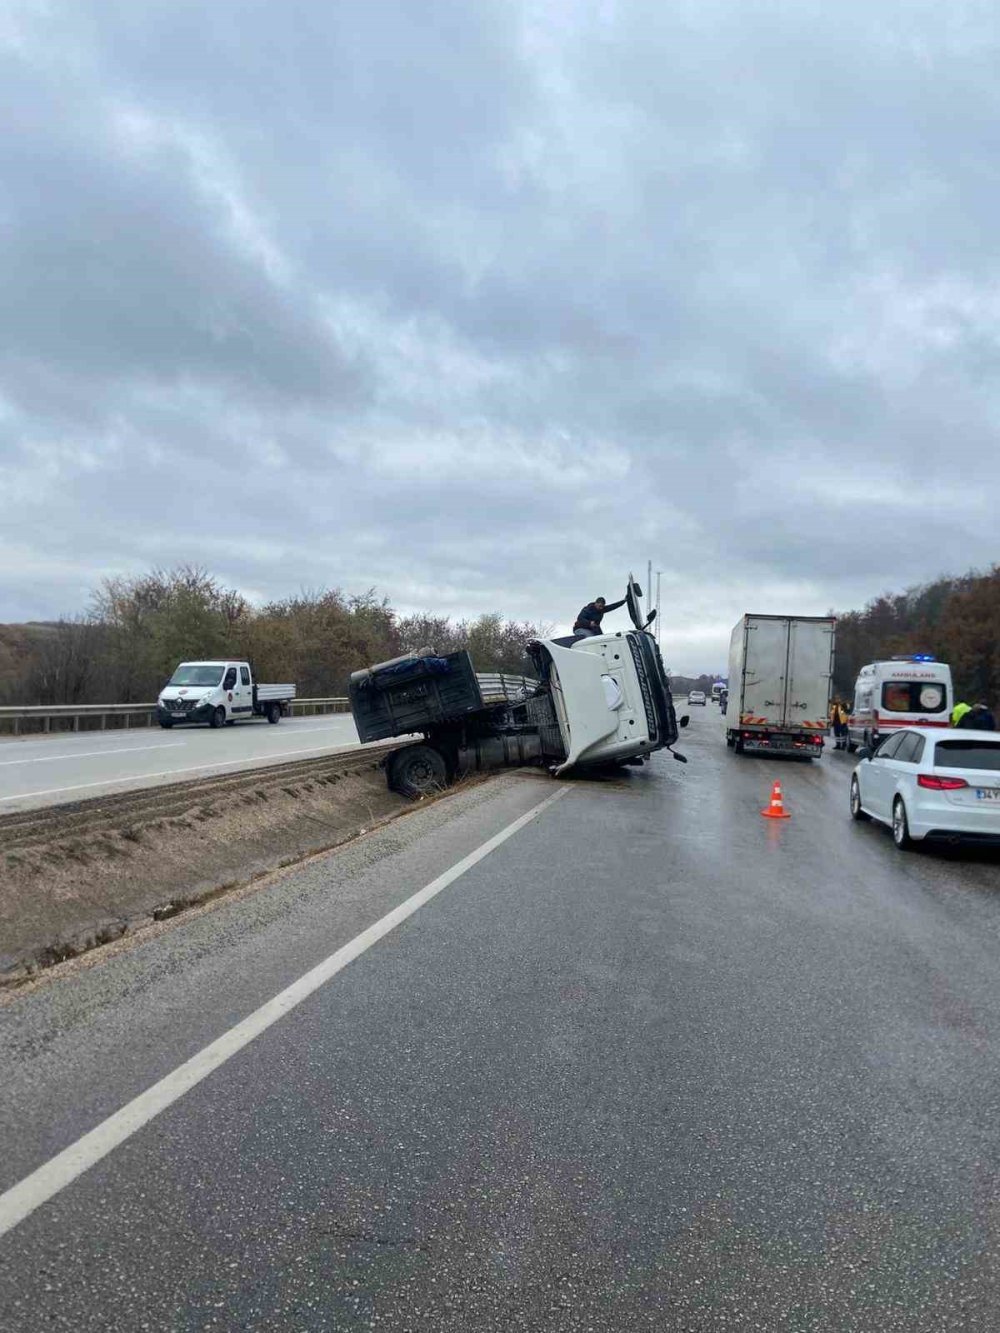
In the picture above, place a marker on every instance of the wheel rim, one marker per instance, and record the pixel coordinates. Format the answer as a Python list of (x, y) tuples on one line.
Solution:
[(855, 796), (899, 823)]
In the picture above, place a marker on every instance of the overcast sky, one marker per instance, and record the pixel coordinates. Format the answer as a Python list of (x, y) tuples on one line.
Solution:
[(482, 304)]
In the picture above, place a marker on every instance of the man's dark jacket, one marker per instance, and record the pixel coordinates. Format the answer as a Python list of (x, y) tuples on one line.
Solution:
[(977, 719), (592, 613)]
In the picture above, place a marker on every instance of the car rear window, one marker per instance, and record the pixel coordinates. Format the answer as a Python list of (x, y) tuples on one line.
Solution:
[(968, 754), (912, 696)]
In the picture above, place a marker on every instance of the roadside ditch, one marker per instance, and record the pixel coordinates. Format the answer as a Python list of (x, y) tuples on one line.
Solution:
[(74, 877)]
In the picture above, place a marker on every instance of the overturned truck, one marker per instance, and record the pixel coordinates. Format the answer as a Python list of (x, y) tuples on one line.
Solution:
[(598, 702)]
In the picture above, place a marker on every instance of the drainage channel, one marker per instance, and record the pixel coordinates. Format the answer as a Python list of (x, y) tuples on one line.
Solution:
[(136, 809)]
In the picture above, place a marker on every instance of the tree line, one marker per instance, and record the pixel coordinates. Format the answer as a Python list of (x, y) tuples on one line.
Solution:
[(135, 631), (955, 619)]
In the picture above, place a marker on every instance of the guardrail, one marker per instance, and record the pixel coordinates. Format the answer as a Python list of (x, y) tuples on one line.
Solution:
[(499, 685), (17, 720)]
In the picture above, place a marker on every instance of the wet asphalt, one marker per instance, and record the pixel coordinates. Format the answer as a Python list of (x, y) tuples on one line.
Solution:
[(653, 1063)]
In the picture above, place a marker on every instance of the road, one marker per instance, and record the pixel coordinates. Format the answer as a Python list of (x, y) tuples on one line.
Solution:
[(56, 769), (645, 1060)]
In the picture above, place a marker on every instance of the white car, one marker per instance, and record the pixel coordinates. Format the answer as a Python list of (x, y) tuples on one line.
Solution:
[(931, 782), (696, 697)]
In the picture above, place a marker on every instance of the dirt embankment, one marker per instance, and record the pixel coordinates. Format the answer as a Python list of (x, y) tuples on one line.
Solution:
[(75, 877)]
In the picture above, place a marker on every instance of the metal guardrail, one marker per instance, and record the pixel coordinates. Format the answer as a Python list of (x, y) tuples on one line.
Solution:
[(500, 685), (16, 720)]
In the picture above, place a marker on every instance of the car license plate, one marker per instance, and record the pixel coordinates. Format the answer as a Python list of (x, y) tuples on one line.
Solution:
[(988, 793)]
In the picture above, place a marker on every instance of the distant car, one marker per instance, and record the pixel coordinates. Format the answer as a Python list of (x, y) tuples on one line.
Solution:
[(931, 783), (696, 697)]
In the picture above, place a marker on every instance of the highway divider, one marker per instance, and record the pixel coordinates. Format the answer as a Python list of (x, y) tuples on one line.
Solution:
[(17, 719), (76, 876)]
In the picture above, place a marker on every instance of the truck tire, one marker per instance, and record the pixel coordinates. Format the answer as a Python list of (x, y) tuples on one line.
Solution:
[(274, 714), (419, 770), (218, 718)]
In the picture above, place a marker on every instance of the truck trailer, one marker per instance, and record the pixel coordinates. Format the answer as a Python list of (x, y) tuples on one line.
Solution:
[(780, 672), (595, 703)]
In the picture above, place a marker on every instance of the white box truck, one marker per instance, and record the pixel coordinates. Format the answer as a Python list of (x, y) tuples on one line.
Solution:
[(780, 672)]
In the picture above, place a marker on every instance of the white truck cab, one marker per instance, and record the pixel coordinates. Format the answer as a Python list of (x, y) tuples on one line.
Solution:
[(219, 693), (611, 697), (912, 690)]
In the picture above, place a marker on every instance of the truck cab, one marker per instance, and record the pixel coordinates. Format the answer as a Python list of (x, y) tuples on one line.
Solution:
[(610, 695), (219, 692)]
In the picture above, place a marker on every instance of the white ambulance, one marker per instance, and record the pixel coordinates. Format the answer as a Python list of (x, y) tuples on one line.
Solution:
[(906, 691)]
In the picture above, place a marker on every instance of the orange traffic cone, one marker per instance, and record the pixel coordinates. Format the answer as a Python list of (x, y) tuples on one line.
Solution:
[(776, 810)]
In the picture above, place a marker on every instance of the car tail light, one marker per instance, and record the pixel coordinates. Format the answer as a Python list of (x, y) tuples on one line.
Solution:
[(933, 783)]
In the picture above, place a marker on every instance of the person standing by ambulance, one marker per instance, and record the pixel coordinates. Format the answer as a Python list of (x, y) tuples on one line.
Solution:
[(838, 720)]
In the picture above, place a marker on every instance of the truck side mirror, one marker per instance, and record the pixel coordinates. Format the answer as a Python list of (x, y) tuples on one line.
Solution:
[(681, 759), (682, 722)]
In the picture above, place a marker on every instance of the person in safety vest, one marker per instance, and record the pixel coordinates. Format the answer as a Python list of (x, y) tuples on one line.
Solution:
[(838, 720), (958, 712)]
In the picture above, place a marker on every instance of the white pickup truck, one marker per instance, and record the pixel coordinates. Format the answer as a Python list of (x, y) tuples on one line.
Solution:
[(219, 693)]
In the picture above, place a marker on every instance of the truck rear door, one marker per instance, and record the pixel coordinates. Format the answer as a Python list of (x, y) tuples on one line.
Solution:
[(764, 671), (810, 665)]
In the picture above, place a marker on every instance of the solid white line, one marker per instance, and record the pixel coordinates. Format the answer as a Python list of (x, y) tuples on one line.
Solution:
[(89, 754), (174, 772), (21, 1200)]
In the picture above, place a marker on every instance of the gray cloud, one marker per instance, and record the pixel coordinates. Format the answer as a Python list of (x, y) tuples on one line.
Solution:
[(483, 304)]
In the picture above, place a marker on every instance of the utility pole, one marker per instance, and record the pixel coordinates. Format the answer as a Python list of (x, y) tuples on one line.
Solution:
[(649, 585), (657, 621)]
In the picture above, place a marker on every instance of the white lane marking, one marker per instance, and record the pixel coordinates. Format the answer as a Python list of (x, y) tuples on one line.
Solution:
[(172, 772), (89, 754), (21, 1200)]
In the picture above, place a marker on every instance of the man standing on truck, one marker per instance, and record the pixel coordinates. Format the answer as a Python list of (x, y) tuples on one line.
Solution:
[(588, 622)]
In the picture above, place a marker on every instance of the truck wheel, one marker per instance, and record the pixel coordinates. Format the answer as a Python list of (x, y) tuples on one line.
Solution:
[(274, 713), (218, 718), (419, 770)]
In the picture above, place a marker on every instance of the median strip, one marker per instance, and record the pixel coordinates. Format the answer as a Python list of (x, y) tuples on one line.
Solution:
[(79, 875)]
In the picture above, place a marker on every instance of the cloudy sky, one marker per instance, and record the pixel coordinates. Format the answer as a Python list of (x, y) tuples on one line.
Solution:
[(482, 304)]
